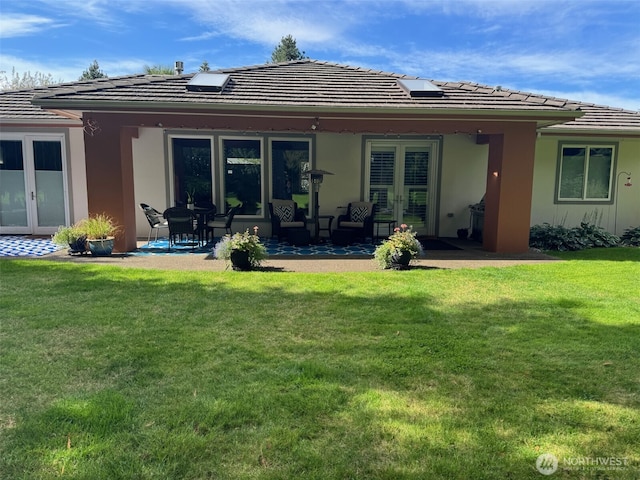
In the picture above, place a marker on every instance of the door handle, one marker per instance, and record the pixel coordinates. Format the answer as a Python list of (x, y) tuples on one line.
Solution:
[(33, 196)]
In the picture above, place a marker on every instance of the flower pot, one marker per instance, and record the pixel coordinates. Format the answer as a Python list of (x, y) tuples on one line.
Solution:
[(240, 260), (79, 245), (400, 261), (191, 206), (101, 247)]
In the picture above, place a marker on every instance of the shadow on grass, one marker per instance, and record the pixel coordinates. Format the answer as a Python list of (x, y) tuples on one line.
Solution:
[(227, 376), (614, 254)]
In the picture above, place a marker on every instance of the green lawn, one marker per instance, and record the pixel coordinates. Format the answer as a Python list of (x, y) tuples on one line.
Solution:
[(115, 373)]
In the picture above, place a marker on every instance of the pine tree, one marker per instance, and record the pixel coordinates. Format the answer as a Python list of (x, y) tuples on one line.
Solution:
[(93, 72), (286, 51)]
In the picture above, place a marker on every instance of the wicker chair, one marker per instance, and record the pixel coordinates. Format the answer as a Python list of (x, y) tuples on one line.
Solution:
[(285, 215), (359, 219)]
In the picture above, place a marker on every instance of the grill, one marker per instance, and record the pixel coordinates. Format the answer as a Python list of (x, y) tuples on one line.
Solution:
[(477, 219)]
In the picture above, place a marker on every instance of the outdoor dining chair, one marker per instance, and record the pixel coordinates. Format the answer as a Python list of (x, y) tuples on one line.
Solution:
[(222, 222), (155, 219), (182, 224)]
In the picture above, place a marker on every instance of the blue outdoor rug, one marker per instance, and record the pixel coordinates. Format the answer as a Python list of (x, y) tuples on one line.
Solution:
[(274, 248), (26, 246)]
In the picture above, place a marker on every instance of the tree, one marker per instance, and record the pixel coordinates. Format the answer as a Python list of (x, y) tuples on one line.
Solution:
[(92, 72), (158, 70), (204, 67), (286, 51), (18, 82)]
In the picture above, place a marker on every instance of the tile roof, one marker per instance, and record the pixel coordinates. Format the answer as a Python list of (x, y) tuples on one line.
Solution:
[(313, 84)]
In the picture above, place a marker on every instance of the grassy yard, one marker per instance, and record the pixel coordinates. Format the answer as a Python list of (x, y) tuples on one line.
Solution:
[(114, 373)]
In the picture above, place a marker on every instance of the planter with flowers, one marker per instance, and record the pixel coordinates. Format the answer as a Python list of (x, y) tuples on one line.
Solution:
[(242, 250), (397, 251)]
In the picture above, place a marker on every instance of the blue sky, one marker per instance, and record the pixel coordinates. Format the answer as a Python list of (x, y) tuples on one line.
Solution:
[(587, 50)]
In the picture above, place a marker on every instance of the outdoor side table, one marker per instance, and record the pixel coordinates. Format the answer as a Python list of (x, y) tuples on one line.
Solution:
[(327, 227), (390, 225)]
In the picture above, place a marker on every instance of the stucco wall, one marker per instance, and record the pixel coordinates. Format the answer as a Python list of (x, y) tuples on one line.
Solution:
[(627, 198), (342, 156), (149, 175), (463, 181), (78, 203)]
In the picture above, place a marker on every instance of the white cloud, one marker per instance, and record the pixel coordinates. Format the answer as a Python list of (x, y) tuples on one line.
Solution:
[(16, 25)]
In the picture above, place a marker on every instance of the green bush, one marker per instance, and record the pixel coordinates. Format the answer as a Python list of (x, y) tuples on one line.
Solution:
[(631, 237), (560, 238)]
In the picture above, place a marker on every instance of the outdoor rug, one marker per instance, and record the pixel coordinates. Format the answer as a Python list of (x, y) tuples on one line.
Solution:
[(274, 248), (26, 246)]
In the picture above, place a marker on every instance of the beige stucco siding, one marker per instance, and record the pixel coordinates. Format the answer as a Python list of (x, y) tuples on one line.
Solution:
[(463, 181), (626, 199)]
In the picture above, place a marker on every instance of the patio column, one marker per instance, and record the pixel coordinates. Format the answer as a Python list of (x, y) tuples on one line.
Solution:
[(109, 161), (507, 214)]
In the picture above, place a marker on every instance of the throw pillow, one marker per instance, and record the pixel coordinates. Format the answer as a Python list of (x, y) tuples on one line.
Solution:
[(283, 212), (358, 214)]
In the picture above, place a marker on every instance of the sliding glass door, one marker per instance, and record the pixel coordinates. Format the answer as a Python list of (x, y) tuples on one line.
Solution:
[(33, 196)]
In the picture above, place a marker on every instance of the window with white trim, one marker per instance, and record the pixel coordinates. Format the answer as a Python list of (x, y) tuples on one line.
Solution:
[(585, 173), (243, 173)]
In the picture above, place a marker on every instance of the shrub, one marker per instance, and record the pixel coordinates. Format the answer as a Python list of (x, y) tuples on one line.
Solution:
[(631, 237), (560, 238)]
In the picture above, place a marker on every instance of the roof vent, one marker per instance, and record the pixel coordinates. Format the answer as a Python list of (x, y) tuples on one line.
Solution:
[(208, 82), (178, 67), (420, 88)]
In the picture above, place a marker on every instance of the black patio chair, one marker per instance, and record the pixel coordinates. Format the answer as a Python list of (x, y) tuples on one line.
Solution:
[(155, 219), (222, 222), (285, 215), (182, 224), (358, 219)]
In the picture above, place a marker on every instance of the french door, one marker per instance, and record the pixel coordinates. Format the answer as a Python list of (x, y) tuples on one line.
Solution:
[(402, 181), (33, 187)]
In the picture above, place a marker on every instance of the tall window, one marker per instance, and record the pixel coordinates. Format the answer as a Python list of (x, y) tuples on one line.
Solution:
[(243, 174), (192, 170), (585, 173), (289, 164)]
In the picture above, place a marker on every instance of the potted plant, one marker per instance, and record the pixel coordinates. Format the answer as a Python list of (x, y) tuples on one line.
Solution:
[(100, 230), (191, 201), (243, 250), (73, 236), (397, 251)]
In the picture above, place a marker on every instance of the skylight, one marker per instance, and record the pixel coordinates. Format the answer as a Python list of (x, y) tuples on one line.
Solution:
[(420, 88), (208, 82)]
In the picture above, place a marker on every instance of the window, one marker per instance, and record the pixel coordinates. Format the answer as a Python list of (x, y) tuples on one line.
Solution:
[(585, 173), (192, 170), (243, 174), (289, 163)]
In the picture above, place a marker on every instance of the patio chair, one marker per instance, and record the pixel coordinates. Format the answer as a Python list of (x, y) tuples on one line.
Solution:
[(155, 219), (182, 224), (359, 219), (222, 222), (285, 215)]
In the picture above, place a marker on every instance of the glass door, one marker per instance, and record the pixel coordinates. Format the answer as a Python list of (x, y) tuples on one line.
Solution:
[(401, 176), (33, 196)]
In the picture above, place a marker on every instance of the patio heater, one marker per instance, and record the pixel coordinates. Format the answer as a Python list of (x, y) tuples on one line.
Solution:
[(316, 177)]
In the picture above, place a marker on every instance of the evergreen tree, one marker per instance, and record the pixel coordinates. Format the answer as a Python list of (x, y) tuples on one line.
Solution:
[(204, 67), (286, 51), (92, 72)]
